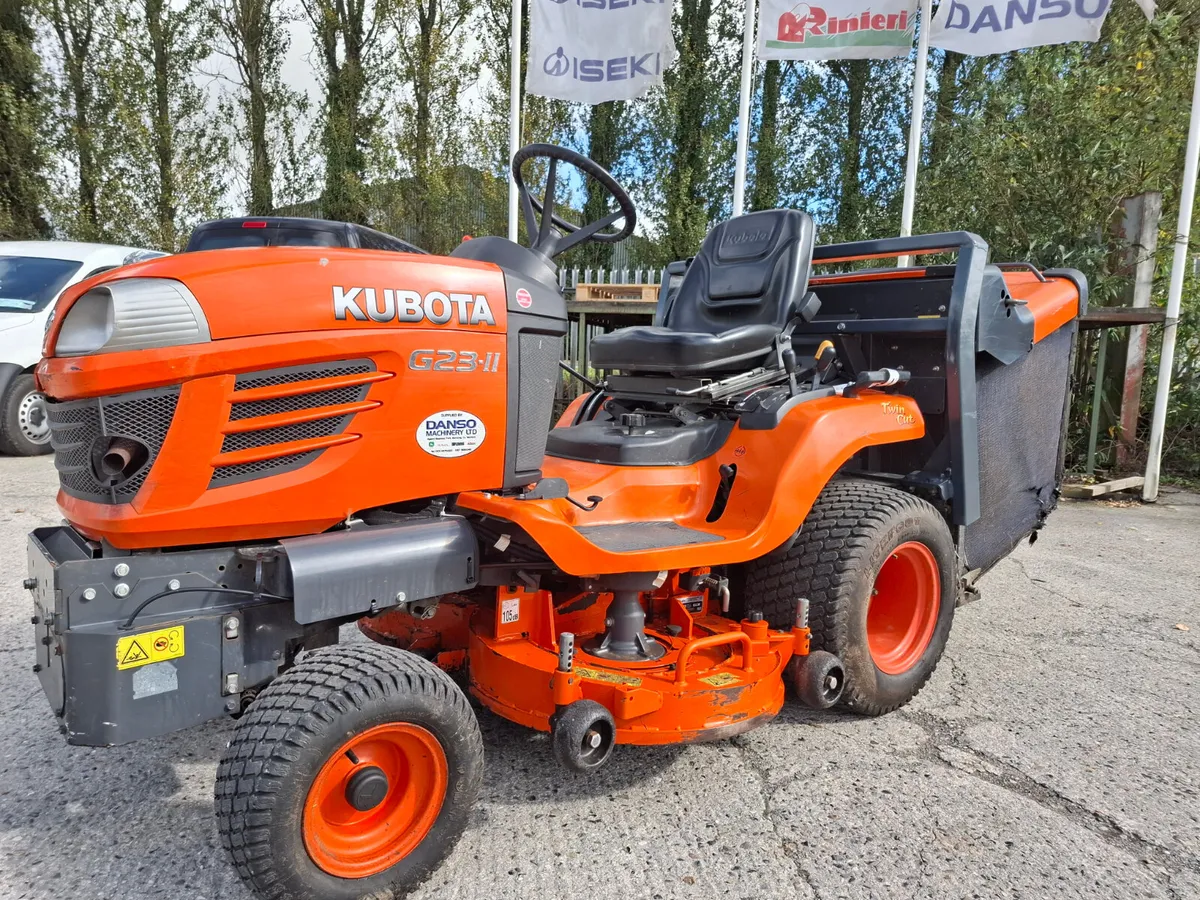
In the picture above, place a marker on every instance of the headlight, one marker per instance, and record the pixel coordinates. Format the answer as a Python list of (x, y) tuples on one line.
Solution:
[(132, 314)]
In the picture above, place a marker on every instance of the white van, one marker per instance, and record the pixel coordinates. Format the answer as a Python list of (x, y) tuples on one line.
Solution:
[(32, 276)]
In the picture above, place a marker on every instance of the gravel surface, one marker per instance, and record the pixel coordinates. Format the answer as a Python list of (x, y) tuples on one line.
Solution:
[(1055, 753)]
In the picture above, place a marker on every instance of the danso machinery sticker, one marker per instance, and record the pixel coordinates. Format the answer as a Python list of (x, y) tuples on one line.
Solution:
[(451, 432), (148, 647)]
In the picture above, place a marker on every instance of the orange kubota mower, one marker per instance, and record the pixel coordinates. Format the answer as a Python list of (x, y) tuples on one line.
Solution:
[(790, 480)]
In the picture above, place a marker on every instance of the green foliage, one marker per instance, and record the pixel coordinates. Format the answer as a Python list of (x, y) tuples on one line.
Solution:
[(1181, 448), (1033, 150), (169, 151), (22, 154), (262, 109), (348, 38)]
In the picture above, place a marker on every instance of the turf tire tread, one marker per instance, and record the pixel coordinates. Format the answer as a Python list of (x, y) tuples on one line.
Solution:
[(285, 716), (822, 564)]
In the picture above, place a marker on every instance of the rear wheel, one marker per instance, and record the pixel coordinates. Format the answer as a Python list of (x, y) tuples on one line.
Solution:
[(879, 569), (351, 776), (24, 426)]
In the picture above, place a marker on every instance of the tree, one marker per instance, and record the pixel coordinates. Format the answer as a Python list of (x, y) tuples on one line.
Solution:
[(768, 151), (77, 26), (434, 73), (177, 162), (347, 35), (22, 164), (607, 143), (855, 75), (945, 104), (253, 35), (542, 119), (689, 89)]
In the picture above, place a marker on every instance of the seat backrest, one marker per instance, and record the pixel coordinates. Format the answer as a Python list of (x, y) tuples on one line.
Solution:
[(751, 270)]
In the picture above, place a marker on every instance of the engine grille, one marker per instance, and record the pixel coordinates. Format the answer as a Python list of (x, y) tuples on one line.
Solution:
[(267, 437), (80, 429), (540, 354), (294, 374)]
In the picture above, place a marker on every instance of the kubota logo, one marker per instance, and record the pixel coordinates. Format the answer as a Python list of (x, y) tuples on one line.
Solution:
[(388, 305), (806, 21), (748, 237)]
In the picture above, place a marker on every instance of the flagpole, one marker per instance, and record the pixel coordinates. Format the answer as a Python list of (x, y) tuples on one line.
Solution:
[(915, 125), (1162, 396), (514, 114), (743, 136)]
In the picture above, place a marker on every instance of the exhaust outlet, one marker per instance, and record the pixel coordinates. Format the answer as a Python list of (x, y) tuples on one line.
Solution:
[(120, 460)]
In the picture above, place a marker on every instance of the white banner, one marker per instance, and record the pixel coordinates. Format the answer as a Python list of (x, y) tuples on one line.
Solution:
[(981, 27), (835, 29), (590, 51)]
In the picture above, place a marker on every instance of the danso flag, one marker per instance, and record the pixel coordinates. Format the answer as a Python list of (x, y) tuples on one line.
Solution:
[(981, 27), (835, 29), (590, 51)]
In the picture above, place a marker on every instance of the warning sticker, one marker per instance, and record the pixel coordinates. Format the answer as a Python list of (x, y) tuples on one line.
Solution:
[(152, 646), (610, 677), (450, 433), (721, 679), (510, 610)]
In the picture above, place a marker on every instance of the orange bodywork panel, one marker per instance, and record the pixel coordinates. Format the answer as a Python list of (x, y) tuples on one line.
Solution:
[(718, 677), (780, 472), (274, 308), (1053, 301)]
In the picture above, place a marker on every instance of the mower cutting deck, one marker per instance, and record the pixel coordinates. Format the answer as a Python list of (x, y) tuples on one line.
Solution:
[(789, 481)]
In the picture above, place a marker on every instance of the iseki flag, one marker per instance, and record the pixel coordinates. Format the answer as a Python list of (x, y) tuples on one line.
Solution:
[(590, 51), (835, 29), (982, 27)]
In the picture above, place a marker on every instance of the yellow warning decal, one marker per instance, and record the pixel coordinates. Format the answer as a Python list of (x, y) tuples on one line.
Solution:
[(720, 679), (151, 646), (610, 677)]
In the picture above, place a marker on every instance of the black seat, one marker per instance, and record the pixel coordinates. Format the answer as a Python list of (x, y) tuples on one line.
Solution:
[(745, 285)]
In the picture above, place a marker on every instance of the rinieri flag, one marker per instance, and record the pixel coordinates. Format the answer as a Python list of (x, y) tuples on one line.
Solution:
[(590, 51), (835, 29), (982, 27)]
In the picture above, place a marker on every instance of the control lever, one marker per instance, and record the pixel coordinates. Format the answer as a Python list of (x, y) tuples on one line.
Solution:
[(557, 489), (825, 359), (876, 378), (591, 385)]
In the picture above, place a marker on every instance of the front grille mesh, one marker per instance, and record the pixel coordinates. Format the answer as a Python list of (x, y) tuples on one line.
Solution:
[(297, 402), (247, 440), (80, 429), (296, 374), (262, 468), (268, 437)]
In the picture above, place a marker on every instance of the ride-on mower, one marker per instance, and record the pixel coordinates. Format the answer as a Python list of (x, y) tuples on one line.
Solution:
[(787, 483)]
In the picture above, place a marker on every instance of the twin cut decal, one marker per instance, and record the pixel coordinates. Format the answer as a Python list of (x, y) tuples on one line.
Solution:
[(437, 307)]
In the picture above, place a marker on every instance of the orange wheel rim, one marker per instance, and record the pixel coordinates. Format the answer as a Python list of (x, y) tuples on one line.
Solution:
[(399, 773), (904, 608)]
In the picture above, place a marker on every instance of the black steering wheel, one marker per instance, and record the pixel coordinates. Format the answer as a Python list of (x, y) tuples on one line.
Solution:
[(549, 241)]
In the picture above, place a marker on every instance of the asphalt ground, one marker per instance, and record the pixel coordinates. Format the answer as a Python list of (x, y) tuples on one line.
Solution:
[(1055, 753)]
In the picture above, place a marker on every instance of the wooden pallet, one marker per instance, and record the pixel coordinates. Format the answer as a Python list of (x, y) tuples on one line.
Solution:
[(645, 293), (1088, 491)]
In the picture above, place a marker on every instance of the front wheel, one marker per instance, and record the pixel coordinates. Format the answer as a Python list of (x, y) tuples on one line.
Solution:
[(879, 569), (351, 776), (24, 426)]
